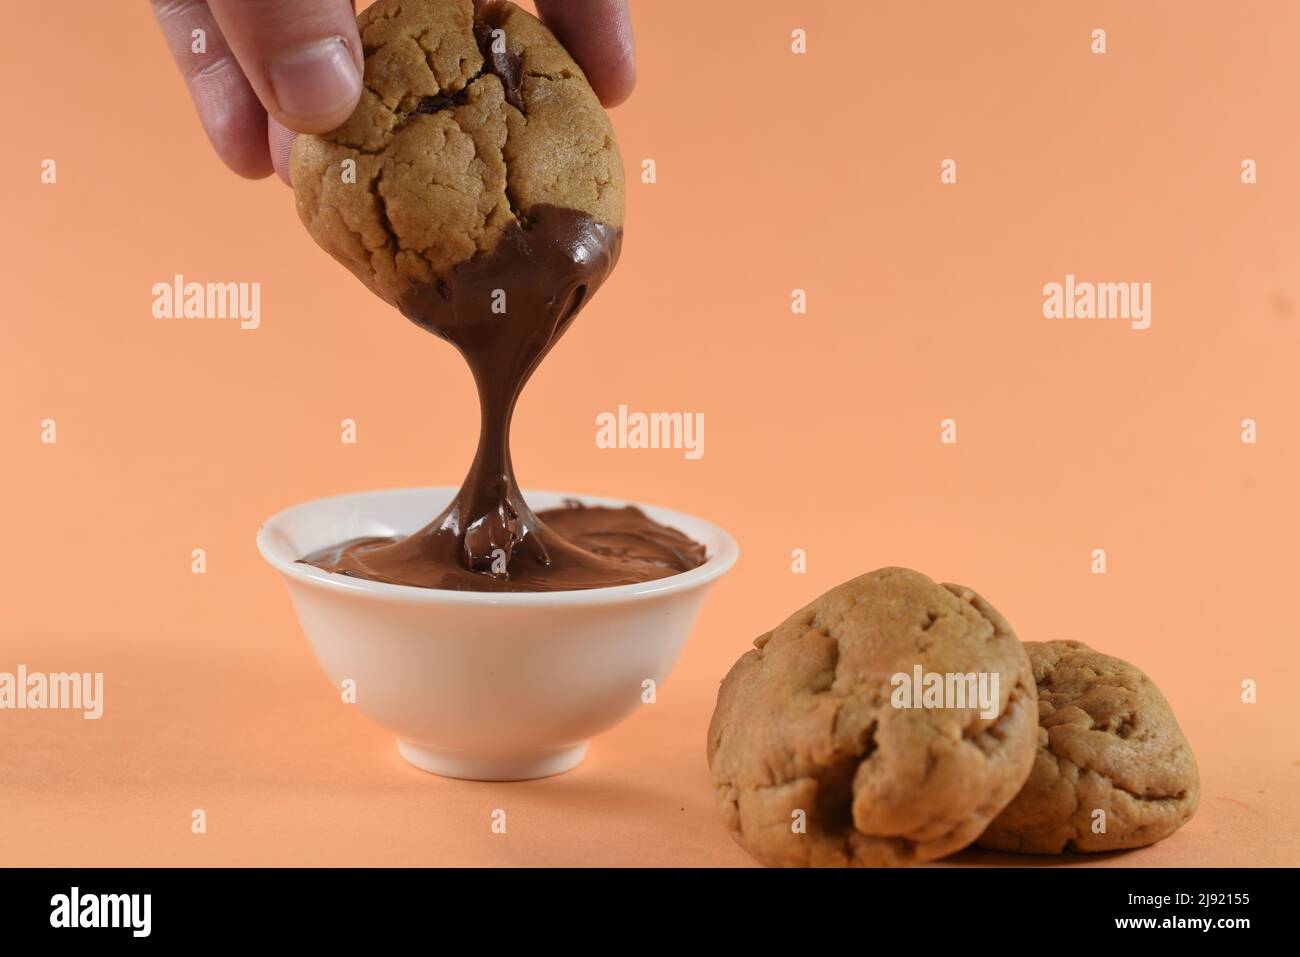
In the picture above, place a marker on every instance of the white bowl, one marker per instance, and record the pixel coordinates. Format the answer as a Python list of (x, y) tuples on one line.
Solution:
[(481, 685)]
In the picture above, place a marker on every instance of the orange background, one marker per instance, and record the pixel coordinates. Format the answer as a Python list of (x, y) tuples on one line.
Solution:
[(775, 171)]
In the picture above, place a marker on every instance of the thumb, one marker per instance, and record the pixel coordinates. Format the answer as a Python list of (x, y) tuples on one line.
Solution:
[(302, 57)]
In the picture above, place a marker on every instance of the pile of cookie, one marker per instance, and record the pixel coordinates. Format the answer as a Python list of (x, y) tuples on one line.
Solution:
[(895, 720)]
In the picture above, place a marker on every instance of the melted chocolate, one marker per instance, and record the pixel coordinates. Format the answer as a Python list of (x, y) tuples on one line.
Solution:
[(504, 311), (589, 547)]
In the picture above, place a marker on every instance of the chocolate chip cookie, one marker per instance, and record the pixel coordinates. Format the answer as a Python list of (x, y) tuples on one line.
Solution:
[(819, 758), (1113, 769), (465, 128)]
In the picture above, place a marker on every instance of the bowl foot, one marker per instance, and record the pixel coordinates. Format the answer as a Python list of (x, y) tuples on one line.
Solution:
[(492, 765)]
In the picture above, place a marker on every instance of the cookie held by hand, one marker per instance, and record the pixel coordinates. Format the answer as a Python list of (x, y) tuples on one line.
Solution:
[(1108, 743), (817, 757)]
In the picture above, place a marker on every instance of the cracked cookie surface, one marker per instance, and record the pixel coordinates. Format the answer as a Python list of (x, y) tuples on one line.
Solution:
[(464, 127), (804, 722), (1108, 741)]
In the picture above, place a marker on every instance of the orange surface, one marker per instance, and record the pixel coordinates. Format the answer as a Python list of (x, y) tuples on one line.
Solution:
[(775, 172)]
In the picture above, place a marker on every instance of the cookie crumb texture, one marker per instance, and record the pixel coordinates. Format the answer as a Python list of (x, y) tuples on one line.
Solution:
[(1108, 741), (804, 723), (453, 141)]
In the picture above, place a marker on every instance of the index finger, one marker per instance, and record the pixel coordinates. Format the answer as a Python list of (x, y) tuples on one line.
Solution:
[(228, 108)]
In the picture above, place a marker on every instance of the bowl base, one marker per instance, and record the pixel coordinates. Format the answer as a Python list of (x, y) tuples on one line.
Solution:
[(492, 765)]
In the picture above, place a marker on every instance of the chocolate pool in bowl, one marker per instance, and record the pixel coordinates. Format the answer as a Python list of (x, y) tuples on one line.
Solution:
[(478, 684), (591, 546)]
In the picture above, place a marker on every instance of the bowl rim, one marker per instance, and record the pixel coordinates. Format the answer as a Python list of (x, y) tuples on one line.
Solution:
[(717, 563)]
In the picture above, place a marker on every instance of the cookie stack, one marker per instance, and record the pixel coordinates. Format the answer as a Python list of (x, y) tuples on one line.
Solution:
[(895, 720)]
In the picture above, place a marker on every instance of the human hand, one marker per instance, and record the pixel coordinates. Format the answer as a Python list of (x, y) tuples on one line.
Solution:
[(267, 70)]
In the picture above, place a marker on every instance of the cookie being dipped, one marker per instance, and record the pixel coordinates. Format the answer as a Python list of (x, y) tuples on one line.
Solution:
[(468, 128), (1113, 769), (816, 757)]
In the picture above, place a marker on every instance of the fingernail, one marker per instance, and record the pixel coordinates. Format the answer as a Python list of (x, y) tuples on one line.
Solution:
[(315, 81)]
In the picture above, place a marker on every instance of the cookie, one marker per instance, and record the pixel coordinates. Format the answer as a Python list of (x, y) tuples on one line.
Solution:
[(465, 127), (1108, 743), (820, 758)]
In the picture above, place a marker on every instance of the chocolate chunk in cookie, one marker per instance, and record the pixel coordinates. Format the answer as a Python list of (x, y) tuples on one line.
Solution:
[(1113, 769), (828, 748)]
